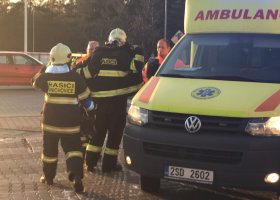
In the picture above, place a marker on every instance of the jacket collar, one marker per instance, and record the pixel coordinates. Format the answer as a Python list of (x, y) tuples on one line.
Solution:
[(57, 69), (125, 46)]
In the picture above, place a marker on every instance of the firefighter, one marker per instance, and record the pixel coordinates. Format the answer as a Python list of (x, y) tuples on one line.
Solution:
[(86, 122), (86, 125), (113, 73), (64, 90)]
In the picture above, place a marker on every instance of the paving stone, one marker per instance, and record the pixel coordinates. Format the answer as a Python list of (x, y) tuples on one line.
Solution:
[(18, 198), (45, 198), (21, 167), (44, 195)]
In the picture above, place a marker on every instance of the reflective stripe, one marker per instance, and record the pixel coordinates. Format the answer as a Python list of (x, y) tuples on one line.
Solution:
[(61, 100), (112, 73), (93, 148), (78, 71), (48, 159), (37, 88), (73, 61), (132, 66), (139, 58), (87, 73), (84, 95), (87, 136), (117, 92), (65, 130), (36, 76), (71, 154), (91, 107), (49, 63), (113, 152)]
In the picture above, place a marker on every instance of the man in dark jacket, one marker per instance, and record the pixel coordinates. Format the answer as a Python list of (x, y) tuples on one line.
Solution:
[(65, 90), (112, 73)]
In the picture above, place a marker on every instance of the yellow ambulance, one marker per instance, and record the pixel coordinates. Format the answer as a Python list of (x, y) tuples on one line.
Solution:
[(216, 120)]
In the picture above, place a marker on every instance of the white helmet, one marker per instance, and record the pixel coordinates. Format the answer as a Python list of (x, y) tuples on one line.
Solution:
[(117, 34), (60, 54)]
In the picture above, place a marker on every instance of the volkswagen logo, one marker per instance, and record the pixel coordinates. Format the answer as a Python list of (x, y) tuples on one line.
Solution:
[(192, 124)]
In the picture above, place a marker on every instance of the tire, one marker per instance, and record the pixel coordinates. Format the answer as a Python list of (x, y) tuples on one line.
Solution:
[(149, 184)]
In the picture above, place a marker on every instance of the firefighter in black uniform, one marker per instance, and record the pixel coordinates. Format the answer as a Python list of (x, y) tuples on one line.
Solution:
[(112, 73), (87, 122), (65, 90)]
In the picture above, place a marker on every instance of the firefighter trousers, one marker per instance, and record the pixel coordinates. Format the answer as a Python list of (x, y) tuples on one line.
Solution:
[(110, 118), (72, 147)]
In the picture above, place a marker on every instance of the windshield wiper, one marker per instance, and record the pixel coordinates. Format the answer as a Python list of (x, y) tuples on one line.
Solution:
[(178, 76), (230, 78)]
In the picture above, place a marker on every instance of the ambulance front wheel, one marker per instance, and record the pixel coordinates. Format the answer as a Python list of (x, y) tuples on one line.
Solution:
[(148, 184)]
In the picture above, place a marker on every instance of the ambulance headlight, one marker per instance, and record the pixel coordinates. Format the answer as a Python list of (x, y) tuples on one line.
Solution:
[(137, 116), (264, 126)]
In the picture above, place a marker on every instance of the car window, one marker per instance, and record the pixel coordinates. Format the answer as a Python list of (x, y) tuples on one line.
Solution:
[(20, 60), (3, 59), (6, 59), (23, 60)]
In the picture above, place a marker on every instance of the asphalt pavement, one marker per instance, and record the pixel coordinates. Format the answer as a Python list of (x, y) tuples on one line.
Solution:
[(21, 167)]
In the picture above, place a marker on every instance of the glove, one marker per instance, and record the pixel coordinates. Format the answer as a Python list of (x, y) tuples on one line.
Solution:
[(92, 114), (87, 127)]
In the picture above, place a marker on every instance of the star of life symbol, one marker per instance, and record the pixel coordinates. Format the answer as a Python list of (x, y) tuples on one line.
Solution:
[(206, 92), (192, 124)]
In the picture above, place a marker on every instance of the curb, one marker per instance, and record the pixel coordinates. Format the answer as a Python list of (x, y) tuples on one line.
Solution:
[(27, 130), (16, 87)]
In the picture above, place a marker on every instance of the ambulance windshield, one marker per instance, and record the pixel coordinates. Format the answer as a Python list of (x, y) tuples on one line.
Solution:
[(234, 57)]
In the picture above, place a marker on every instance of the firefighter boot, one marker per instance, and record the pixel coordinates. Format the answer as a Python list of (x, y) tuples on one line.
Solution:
[(78, 184), (110, 163), (47, 181), (117, 168), (91, 160)]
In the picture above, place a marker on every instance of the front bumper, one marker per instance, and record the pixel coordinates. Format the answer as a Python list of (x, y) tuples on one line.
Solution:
[(260, 157)]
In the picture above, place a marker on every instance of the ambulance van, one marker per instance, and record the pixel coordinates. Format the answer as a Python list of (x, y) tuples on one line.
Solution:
[(216, 120)]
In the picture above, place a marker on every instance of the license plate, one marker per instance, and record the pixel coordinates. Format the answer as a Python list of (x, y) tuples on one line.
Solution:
[(188, 174)]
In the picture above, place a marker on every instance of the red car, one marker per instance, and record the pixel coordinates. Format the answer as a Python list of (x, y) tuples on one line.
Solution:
[(17, 68)]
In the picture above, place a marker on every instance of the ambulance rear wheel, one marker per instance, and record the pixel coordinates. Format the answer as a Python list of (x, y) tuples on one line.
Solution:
[(149, 184)]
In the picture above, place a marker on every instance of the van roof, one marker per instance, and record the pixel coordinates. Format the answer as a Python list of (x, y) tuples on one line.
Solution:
[(232, 16)]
